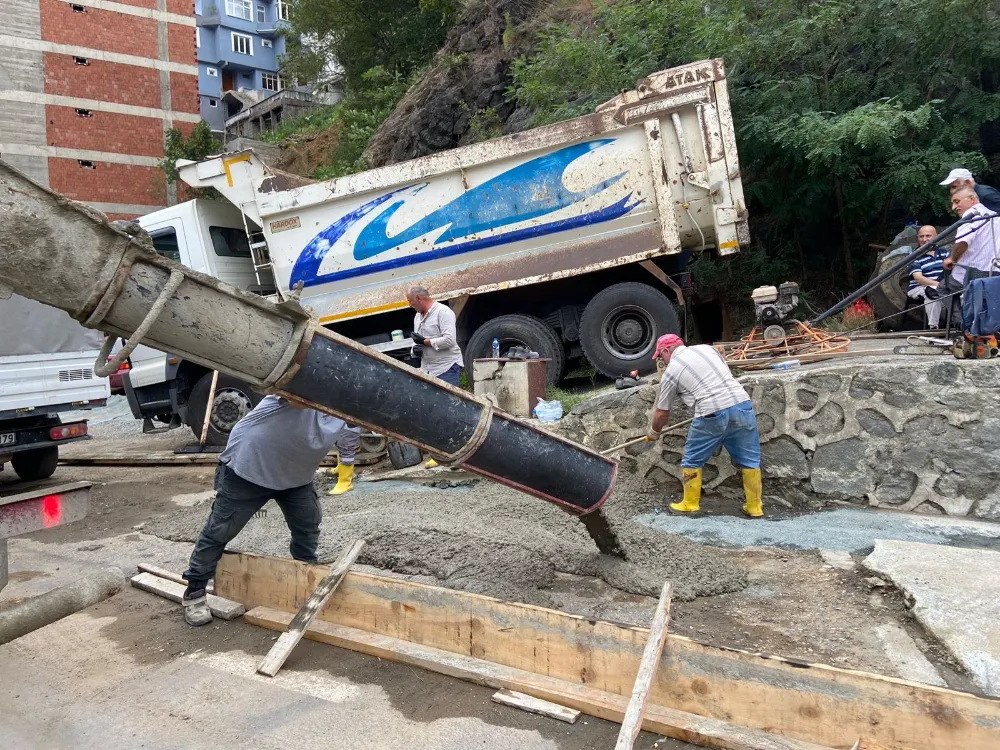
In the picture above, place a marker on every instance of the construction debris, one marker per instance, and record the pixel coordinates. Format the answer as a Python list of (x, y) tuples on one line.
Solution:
[(222, 608), (535, 705)]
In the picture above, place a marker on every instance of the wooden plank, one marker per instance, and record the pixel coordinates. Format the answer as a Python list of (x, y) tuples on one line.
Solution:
[(169, 575), (308, 611), (535, 705), (813, 702), (711, 733), (647, 667), (222, 608)]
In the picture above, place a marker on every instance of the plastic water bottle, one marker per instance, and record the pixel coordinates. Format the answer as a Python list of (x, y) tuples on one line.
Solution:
[(789, 365), (496, 349)]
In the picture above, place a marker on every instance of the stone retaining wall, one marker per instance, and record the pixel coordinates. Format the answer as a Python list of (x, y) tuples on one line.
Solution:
[(921, 434)]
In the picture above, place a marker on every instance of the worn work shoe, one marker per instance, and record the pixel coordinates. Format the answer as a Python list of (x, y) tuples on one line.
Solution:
[(692, 492), (345, 479), (196, 611), (754, 506)]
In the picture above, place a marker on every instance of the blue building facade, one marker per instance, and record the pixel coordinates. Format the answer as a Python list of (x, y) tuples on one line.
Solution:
[(239, 47)]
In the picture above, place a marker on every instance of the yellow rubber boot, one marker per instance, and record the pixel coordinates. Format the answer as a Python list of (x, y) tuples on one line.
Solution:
[(692, 492), (345, 479), (754, 506)]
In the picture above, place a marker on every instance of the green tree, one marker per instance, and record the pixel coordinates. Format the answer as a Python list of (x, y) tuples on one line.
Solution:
[(197, 146), (330, 38), (848, 112)]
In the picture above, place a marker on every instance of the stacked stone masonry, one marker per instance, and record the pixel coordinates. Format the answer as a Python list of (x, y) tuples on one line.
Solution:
[(914, 434)]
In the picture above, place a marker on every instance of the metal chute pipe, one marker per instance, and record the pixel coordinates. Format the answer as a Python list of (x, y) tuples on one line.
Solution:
[(50, 249)]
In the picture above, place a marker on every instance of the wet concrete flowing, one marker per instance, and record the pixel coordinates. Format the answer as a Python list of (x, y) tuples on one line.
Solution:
[(491, 540)]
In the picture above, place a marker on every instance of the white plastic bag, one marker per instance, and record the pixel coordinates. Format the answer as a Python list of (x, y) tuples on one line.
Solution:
[(548, 411)]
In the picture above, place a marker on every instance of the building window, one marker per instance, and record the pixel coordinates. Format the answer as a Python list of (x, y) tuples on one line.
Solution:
[(77, 8), (212, 72), (266, 43), (261, 14), (197, 37), (86, 164), (240, 9), (84, 113), (81, 61), (282, 10), (270, 82), (213, 102), (242, 44)]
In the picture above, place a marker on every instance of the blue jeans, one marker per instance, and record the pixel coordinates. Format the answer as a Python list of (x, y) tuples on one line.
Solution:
[(451, 375), (735, 428), (236, 500)]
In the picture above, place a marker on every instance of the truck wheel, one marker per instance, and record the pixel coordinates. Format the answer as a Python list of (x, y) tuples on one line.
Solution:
[(620, 325), (518, 330), (888, 300), (404, 455), (37, 464), (233, 400)]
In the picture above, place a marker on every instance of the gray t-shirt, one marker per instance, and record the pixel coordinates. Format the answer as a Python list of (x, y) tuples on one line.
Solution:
[(279, 446)]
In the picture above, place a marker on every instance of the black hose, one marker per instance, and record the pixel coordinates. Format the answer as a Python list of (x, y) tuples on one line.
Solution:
[(895, 268)]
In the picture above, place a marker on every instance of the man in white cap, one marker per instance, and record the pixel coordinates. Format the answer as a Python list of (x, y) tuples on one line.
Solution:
[(723, 416), (959, 178)]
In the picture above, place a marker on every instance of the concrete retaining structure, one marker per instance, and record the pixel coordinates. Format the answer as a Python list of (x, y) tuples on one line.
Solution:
[(918, 434)]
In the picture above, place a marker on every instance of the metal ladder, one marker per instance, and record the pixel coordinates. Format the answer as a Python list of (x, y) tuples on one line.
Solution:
[(259, 253)]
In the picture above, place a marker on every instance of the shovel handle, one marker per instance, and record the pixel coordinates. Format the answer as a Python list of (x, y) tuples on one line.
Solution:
[(626, 444)]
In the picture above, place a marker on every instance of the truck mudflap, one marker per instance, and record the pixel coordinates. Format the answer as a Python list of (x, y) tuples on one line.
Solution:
[(66, 256), (340, 376)]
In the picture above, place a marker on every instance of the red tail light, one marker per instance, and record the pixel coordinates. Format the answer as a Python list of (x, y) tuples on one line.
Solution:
[(64, 431)]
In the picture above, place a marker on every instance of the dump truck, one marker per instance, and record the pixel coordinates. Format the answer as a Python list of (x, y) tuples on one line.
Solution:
[(568, 239), (68, 256)]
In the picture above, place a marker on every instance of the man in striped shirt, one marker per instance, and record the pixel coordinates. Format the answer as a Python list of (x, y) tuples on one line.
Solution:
[(926, 273), (977, 244), (723, 415)]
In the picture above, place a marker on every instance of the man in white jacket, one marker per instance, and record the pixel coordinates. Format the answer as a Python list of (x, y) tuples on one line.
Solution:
[(435, 337)]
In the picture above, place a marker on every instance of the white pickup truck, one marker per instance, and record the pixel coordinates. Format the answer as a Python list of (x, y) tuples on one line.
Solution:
[(569, 239), (46, 369)]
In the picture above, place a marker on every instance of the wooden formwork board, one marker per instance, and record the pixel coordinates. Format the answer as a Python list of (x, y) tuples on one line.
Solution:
[(809, 702)]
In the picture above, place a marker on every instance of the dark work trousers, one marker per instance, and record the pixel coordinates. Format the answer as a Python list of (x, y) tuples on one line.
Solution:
[(236, 500), (452, 375)]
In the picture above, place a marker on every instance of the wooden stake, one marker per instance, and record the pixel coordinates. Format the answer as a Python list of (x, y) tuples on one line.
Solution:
[(224, 609), (209, 409), (169, 575), (632, 723), (308, 611)]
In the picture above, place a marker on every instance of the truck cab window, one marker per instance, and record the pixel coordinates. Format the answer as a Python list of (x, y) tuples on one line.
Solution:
[(229, 242), (165, 244)]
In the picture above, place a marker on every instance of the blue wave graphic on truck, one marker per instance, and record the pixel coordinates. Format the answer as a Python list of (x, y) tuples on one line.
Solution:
[(525, 192)]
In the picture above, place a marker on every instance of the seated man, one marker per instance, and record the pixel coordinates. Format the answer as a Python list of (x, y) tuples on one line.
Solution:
[(723, 415), (926, 273)]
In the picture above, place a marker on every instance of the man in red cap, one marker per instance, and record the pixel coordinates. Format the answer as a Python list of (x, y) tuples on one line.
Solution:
[(723, 415)]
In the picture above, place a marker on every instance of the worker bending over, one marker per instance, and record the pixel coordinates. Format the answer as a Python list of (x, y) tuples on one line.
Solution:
[(723, 415), (273, 453)]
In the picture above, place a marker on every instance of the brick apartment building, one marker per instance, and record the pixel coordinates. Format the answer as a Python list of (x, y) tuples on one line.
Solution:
[(88, 89)]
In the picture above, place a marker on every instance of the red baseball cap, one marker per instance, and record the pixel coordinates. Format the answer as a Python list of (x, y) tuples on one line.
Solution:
[(667, 341)]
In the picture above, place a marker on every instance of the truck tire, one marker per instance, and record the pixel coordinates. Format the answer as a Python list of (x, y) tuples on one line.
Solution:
[(888, 300), (403, 455), (620, 325), (514, 330), (37, 464), (233, 400)]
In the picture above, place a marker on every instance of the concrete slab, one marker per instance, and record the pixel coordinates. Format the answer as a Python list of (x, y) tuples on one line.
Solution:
[(845, 530), (906, 656), (956, 594)]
